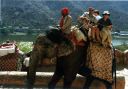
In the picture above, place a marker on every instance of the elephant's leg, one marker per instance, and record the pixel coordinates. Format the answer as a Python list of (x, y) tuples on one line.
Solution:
[(108, 85), (57, 74), (56, 77), (32, 69), (68, 79), (72, 65), (89, 80), (84, 71), (70, 75)]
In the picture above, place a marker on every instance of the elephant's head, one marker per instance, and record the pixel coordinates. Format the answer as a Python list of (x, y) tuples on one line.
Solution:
[(84, 21), (43, 50)]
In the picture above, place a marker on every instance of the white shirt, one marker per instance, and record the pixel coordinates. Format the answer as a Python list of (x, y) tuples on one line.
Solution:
[(26, 61), (92, 18), (98, 17), (85, 14)]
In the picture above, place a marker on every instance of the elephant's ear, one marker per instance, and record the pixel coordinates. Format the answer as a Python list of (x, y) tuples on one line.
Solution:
[(50, 52), (40, 39)]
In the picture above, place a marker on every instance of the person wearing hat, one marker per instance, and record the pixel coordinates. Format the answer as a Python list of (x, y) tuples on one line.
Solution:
[(92, 23), (103, 69), (97, 15), (90, 15), (65, 21), (95, 31), (105, 26)]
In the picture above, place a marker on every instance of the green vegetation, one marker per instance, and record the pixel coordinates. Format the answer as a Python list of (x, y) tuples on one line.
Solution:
[(25, 46), (122, 47), (18, 38), (4, 31), (42, 13)]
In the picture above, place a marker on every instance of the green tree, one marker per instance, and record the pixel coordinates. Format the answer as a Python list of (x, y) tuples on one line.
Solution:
[(5, 31), (29, 32)]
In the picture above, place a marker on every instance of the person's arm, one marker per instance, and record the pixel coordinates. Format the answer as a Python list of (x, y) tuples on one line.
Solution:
[(95, 21), (110, 27), (84, 15), (67, 23), (110, 24), (99, 24)]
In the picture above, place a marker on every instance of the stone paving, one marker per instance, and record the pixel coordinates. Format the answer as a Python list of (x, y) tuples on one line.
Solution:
[(124, 72), (19, 77)]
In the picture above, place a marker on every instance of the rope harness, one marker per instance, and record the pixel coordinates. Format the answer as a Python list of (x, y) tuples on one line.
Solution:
[(114, 67)]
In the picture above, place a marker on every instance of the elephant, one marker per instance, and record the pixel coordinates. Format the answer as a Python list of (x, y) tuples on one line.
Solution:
[(67, 65), (71, 62), (126, 57), (119, 56)]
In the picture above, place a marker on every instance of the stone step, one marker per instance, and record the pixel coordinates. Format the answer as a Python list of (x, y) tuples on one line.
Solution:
[(16, 79)]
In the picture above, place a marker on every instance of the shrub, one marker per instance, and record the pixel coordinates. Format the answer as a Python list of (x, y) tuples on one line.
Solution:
[(122, 47), (25, 46)]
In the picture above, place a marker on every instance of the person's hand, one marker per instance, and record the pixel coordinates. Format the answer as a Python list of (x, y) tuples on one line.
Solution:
[(61, 29), (109, 27), (90, 26), (58, 26)]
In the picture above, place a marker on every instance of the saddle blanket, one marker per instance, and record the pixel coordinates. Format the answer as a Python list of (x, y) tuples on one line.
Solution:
[(99, 60), (6, 49)]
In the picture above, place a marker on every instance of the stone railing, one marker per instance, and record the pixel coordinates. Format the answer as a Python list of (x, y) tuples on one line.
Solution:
[(17, 79)]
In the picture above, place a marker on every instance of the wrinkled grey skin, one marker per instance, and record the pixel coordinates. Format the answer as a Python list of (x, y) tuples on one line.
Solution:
[(67, 66)]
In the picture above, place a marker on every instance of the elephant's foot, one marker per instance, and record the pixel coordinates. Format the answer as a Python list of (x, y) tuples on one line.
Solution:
[(28, 84)]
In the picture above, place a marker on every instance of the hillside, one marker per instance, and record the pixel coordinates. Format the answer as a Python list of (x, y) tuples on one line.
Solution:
[(42, 13)]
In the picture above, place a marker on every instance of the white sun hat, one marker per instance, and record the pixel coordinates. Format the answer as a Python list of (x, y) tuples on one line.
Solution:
[(106, 13)]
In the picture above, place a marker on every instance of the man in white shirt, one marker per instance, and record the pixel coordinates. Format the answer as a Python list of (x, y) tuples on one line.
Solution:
[(90, 15), (94, 31), (97, 15)]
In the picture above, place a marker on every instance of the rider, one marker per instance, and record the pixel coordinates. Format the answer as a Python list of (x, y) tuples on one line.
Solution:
[(105, 21), (62, 33), (105, 26), (65, 21), (90, 15), (94, 35), (97, 15), (103, 71)]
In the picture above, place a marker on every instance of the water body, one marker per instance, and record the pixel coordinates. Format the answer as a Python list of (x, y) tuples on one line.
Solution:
[(119, 41), (27, 38), (18, 38)]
